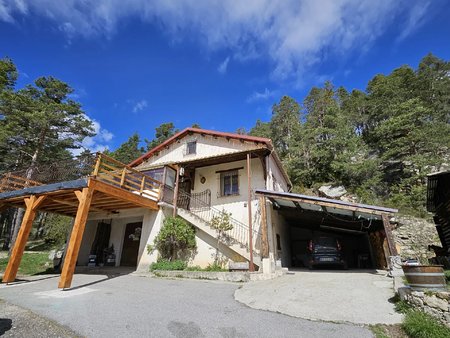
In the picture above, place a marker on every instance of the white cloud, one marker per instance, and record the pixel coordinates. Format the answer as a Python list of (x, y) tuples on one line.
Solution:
[(261, 96), (415, 20), (292, 35), (99, 142), (222, 69), (140, 105)]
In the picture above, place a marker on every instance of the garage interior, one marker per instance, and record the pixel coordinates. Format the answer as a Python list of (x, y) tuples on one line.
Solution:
[(363, 231)]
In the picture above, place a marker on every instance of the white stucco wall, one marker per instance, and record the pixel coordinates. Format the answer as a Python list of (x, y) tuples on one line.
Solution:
[(207, 146), (275, 179), (280, 227)]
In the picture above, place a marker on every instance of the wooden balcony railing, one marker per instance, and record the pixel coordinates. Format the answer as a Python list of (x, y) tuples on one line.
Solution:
[(120, 175), (100, 167)]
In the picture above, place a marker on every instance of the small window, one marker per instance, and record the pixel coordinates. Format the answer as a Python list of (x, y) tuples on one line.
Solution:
[(278, 242), (229, 183), (191, 148)]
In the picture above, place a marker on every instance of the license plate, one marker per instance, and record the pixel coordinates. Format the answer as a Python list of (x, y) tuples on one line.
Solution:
[(326, 259)]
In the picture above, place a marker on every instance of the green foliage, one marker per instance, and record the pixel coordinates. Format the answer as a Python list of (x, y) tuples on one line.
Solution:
[(380, 143), (57, 229), (128, 151), (164, 264), (402, 306), (418, 324), (31, 263), (39, 123), (379, 331), (221, 224), (162, 133), (176, 239), (215, 267)]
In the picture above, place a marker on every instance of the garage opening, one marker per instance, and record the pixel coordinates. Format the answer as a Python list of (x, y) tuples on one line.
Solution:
[(323, 232)]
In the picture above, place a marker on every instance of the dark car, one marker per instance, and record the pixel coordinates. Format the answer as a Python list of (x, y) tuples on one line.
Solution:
[(325, 251)]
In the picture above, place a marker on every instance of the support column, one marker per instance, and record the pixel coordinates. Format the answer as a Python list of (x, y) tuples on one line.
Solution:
[(389, 237), (264, 238), (32, 203), (73, 247), (249, 206), (175, 194)]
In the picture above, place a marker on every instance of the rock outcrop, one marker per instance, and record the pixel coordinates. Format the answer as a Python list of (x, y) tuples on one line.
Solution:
[(413, 235)]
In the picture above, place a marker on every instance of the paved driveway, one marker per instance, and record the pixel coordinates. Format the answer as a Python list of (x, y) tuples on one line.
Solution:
[(133, 306), (344, 296)]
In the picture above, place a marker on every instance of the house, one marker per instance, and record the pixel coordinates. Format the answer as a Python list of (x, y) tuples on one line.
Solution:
[(196, 174), (211, 170)]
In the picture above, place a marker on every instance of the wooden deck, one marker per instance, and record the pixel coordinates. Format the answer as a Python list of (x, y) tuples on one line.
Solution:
[(111, 186)]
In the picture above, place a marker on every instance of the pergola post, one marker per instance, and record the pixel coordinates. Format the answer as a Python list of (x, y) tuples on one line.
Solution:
[(32, 203), (73, 247), (389, 237), (249, 206), (264, 237), (175, 194)]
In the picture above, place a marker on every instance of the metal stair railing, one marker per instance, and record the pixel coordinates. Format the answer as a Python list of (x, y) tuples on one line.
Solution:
[(205, 212)]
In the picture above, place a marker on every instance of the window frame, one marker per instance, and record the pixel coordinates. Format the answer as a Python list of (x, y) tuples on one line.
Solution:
[(188, 147), (230, 174)]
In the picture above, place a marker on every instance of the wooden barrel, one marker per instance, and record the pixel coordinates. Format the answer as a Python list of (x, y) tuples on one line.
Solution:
[(425, 277)]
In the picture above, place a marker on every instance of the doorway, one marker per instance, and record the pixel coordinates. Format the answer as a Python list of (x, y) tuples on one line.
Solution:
[(131, 241)]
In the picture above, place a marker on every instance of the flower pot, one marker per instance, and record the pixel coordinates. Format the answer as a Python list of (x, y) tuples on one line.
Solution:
[(425, 277)]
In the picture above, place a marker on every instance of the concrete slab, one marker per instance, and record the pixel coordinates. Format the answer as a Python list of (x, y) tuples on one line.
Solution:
[(337, 296), (133, 306)]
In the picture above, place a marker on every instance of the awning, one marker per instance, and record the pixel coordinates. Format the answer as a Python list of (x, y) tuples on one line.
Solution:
[(326, 205)]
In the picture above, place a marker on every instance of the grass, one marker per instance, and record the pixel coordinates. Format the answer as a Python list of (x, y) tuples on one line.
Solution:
[(179, 265), (418, 324), (31, 264)]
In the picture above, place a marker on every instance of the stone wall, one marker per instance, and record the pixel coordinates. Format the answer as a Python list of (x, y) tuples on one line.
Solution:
[(436, 304), (413, 235)]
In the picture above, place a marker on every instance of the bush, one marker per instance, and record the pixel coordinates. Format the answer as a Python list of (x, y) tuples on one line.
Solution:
[(418, 324), (165, 264), (176, 239)]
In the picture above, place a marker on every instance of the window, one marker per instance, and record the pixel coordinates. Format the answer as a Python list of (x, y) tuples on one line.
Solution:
[(229, 183), (191, 148), (157, 173)]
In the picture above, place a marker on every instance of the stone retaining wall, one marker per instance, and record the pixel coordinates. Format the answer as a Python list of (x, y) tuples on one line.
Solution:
[(436, 304)]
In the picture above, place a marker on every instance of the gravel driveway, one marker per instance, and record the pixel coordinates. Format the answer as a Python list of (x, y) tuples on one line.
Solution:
[(132, 306)]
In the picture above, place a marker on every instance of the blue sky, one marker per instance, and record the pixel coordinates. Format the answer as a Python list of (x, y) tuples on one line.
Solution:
[(135, 64)]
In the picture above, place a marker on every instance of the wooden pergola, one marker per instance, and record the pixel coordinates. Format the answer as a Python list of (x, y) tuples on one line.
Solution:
[(111, 186)]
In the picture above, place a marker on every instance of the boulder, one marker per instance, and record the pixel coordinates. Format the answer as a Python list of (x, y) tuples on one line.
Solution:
[(329, 191)]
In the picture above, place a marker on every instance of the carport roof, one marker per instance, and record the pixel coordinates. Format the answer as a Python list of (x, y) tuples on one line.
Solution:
[(320, 204)]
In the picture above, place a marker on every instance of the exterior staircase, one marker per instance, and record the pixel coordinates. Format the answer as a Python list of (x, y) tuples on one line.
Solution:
[(200, 214)]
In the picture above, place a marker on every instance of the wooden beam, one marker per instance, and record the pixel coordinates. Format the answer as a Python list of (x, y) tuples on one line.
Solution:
[(122, 194), (175, 195), (73, 247), (264, 232), (32, 204), (73, 204), (389, 237)]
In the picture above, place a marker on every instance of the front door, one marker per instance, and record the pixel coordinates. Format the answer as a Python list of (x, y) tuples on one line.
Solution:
[(131, 242)]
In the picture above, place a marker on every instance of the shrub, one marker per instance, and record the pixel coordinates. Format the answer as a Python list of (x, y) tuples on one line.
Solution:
[(215, 267), (165, 264), (418, 324), (176, 239)]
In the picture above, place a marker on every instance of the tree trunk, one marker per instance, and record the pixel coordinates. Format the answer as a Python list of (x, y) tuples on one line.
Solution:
[(41, 225), (21, 211), (9, 224)]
